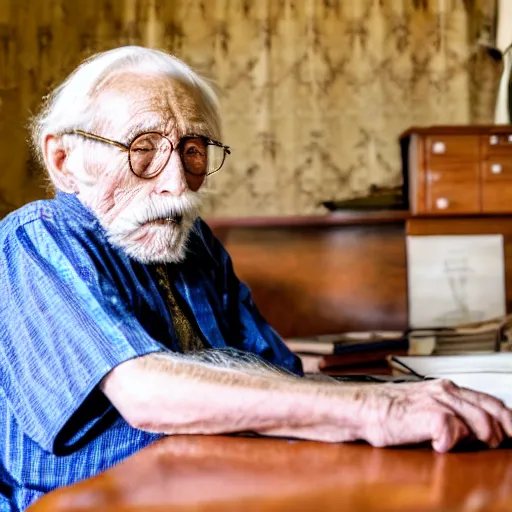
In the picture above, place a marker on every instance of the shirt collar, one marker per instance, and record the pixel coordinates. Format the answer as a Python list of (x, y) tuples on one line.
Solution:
[(74, 206)]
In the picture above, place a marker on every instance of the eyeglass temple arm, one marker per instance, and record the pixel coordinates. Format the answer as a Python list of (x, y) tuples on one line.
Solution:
[(227, 149), (88, 135)]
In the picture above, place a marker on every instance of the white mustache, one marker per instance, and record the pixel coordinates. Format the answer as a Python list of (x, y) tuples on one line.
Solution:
[(186, 206)]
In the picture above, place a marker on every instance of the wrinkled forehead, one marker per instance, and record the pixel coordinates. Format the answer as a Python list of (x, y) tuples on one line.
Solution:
[(130, 104)]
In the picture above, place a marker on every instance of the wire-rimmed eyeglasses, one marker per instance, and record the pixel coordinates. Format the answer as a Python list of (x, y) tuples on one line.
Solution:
[(149, 153)]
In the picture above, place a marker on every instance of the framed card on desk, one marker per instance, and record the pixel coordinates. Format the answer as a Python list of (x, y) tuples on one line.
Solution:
[(455, 280)]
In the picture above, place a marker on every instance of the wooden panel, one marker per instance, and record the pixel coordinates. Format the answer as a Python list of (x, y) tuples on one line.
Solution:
[(471, 226), (421, 176), (454, 129), (497, 184), (413, 170), (454, 191), (233, 474), (313, 280), (458, 168), (339, 218), (497, 197)]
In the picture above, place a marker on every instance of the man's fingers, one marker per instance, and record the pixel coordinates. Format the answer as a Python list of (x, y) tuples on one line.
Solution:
[(492, 405), (476, 418), (498, 431), (448, 430), (437, 424)]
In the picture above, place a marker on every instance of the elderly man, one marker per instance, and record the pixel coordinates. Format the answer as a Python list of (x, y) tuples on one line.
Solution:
[(122, 319)]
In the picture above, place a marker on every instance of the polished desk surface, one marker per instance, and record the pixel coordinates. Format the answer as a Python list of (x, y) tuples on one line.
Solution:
[(208, 473)]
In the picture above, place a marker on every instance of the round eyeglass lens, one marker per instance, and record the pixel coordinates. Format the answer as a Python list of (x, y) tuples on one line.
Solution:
[(149, 154), (201, 158), (216, 156)]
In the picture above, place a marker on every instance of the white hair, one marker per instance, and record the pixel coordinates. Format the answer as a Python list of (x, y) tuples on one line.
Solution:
[(69, 105)]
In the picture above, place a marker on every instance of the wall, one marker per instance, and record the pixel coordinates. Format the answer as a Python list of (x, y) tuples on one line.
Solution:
[(314, 92)]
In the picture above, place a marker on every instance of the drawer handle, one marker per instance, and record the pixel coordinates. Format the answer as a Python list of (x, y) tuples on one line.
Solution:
[(496, 168), (509, 138), (493, 140), (438, 148), (442, 203)]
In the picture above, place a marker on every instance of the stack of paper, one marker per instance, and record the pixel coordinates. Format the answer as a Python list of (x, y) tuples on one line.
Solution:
[(485, 337), (488, 373)]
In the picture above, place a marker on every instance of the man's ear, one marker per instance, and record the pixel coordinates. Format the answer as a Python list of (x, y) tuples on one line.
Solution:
[(55, 156)]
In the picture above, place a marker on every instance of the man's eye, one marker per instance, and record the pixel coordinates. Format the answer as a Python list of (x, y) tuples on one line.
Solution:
[(193, 151), (141, 150)]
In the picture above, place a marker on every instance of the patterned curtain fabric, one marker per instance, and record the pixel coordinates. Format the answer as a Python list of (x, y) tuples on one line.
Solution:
[(503, 43), (314, 92)]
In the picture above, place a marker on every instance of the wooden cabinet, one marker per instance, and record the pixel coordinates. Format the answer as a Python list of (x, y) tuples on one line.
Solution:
[(458, 169)]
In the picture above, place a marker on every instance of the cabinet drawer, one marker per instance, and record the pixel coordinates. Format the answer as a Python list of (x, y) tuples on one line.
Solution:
[(497, 142), (497, 169), (453, 192), (497, 196), (450, 147), (497, 185)]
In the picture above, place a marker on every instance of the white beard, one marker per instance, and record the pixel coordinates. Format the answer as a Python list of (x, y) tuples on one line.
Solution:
[(164, 242)]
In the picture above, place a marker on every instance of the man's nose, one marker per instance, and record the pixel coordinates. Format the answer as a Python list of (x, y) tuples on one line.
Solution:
[(172, 179)]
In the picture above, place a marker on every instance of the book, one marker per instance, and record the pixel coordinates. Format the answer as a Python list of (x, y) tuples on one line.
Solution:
[(487, 373), (379, 345), (355, 352), (359, 358), (329, 344)]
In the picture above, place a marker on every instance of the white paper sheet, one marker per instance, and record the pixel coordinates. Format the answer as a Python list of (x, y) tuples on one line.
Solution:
[(454, 280), (489, 373)]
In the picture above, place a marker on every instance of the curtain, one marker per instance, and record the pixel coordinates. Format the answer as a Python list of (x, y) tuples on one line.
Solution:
[(503, 43), (314, 93)]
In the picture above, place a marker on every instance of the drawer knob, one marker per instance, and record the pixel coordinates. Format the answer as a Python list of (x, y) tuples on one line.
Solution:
[(496, 168), (433, 176), (493, 140), (442, 203), (438, 147), (509, 138)]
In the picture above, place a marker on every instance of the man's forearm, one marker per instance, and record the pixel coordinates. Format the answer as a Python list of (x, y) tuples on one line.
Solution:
[(175, 394)]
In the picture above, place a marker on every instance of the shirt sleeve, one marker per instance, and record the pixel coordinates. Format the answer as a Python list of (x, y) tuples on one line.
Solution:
[(248, 328), (60, 335)]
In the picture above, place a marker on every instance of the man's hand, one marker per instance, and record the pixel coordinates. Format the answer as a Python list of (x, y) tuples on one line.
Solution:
[(436, 411)]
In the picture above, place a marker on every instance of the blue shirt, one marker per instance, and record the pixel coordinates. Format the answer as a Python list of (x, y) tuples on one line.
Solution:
[(72, 308)]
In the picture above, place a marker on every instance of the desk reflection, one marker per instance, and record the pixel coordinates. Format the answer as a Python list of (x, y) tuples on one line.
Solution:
[(214, 473)]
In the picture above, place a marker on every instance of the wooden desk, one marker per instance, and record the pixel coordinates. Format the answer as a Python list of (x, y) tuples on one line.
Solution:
[(242, 474)]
